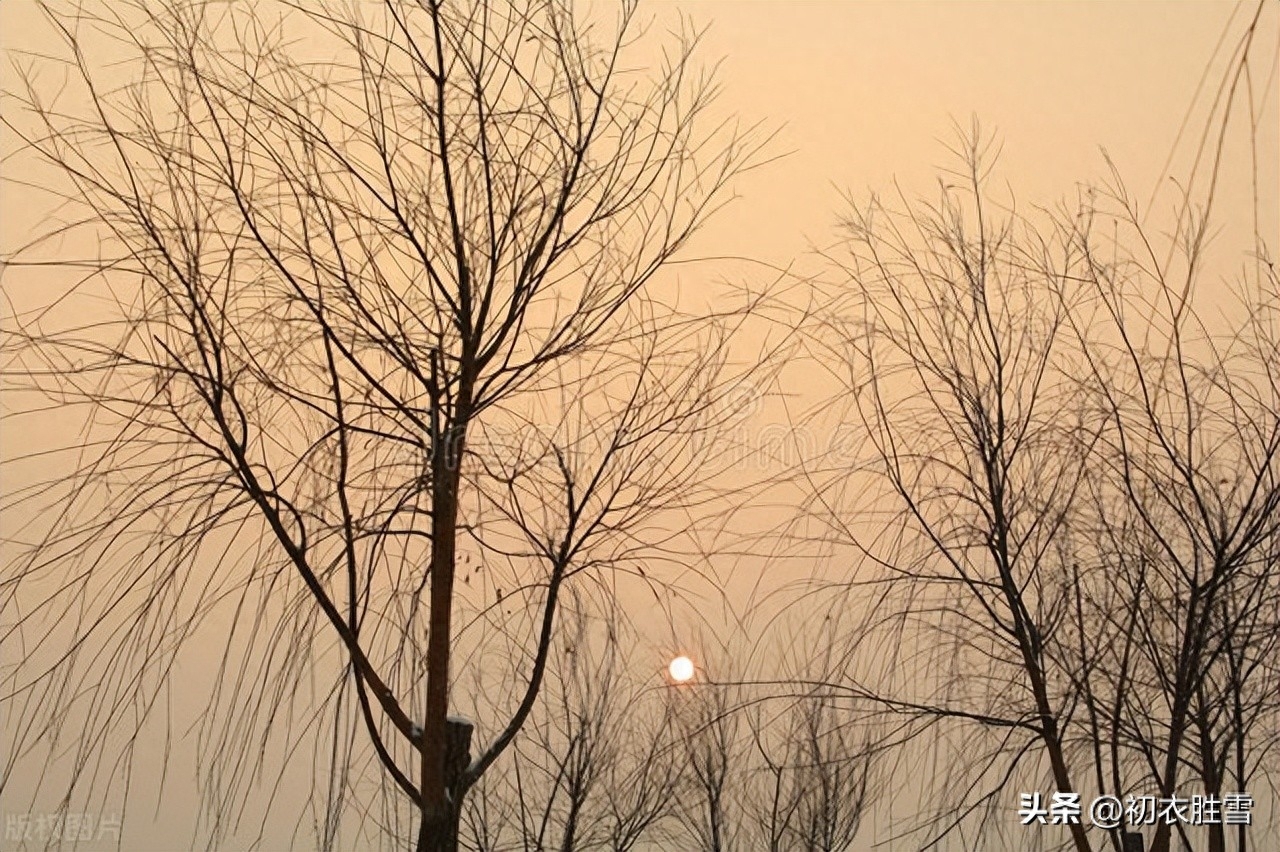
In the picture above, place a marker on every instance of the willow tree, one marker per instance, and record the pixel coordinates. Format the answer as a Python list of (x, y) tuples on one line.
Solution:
[(1066, 504), (372, 313)]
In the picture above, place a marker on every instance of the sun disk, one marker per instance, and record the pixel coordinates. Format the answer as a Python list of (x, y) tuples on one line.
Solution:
[(681, 669)]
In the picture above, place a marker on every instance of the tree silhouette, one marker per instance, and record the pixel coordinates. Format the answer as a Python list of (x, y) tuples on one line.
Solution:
[(1067, 505), (379, 364)]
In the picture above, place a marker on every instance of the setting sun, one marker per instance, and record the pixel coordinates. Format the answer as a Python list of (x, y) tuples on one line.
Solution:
[(681, 669), (469, 356)]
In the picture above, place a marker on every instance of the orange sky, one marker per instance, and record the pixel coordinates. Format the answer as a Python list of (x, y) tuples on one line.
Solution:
[(866, 92)]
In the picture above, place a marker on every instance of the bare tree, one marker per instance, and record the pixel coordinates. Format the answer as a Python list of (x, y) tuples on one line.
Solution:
[(1078, 566), (596, 766), (710, 798), (379, 323), (1186, 507), (812, 790), (949, 345), (1181, 520), (773, 755)]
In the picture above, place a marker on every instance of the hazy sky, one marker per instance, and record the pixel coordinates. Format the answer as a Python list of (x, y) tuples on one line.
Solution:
[(864, 93), (868, 91)]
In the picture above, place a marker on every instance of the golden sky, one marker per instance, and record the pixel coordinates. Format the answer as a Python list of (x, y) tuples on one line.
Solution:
[(866, 93)]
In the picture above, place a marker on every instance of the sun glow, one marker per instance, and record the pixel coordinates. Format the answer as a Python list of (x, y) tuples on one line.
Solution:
[(681, 669)]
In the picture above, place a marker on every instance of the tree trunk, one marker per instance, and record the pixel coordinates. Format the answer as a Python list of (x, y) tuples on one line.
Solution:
[(441, 819), (439, 829), (445, 740)]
